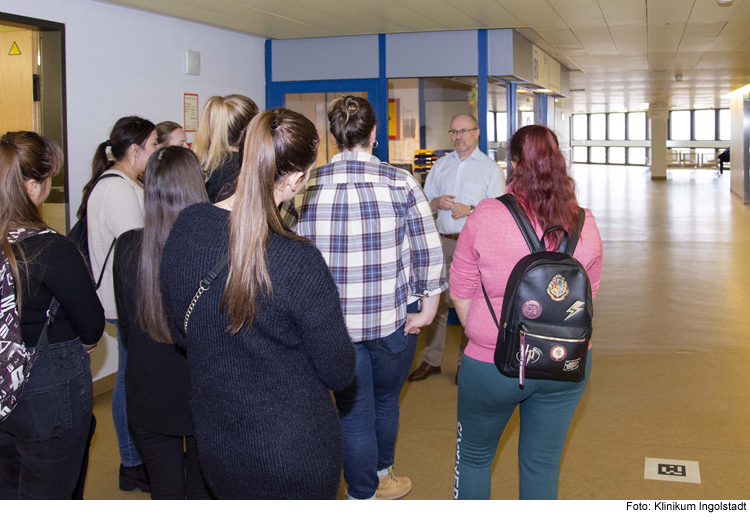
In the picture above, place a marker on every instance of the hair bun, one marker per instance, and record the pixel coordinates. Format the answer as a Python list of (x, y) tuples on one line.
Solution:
[(352, 106)]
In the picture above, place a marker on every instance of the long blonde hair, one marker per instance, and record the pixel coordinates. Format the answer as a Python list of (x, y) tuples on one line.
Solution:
[(24, 156), (224, 121), (278, 143)]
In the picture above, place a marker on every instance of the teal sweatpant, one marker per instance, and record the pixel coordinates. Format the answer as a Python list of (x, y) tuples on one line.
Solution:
[(486, 401)]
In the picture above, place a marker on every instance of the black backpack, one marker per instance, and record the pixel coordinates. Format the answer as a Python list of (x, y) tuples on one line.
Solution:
[(79, 235), (547, 309)]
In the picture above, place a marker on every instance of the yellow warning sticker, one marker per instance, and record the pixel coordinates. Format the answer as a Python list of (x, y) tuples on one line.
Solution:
[(14, 50)]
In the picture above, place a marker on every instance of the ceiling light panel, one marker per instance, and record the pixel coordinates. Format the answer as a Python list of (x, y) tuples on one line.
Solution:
[(668, 11)]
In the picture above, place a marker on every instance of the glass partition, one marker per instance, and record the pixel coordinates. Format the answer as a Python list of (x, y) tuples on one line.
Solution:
[(314, 106), (419, 117)]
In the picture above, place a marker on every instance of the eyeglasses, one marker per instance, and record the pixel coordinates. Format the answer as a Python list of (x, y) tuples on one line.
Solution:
[(461, 132)]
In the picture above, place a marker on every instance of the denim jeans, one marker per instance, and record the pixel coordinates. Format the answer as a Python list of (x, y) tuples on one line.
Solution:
[(128, 452), (368, 408), (43, 441), (172, 465), (486, 401)]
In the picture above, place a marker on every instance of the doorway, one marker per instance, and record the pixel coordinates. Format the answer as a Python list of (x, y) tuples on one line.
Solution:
[(314, 106), (32, 94)]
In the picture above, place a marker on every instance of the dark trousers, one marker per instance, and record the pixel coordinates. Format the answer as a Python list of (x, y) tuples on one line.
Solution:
[(43, 442), (172, 465)]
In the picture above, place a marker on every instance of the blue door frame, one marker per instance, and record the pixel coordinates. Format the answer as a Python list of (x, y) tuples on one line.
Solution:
[(377, 93)]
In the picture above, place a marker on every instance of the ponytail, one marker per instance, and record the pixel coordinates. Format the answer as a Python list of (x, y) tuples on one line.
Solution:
[(277, 143), (131, 130), (220, 130)]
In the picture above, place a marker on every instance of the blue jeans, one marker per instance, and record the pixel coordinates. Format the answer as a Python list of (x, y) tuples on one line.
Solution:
[(43, 441), (368, 408), (486, 401), (128, 452)]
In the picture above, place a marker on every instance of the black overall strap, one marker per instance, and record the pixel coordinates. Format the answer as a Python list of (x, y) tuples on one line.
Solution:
[(527, 230)]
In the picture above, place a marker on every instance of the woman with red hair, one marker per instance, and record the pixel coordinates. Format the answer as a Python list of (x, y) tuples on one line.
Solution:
[(489, 247)]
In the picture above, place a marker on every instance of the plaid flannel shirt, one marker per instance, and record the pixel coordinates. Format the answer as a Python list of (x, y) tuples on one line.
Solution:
[(374, 227)]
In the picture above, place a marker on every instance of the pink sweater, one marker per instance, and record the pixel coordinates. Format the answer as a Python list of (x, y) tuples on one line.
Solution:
[(490, 245)]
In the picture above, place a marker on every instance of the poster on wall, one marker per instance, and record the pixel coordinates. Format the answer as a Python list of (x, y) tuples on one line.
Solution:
[(394, 119), (190, 112)]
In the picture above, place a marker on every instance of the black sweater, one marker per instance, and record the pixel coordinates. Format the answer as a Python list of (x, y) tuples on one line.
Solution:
[(156, 378), (220, 184), (265, 423), (56, 268)]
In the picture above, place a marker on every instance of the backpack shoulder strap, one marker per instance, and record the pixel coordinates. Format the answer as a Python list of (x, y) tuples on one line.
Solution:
[(573, 240), (527, 230)]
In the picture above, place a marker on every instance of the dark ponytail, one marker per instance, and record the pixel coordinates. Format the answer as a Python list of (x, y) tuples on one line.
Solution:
[(127, 131)]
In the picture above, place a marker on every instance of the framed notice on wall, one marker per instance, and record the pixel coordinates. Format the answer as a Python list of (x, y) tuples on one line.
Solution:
[(190, 112)]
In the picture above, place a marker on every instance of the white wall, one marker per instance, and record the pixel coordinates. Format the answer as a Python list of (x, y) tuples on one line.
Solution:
[(122, 61), (737, 143)]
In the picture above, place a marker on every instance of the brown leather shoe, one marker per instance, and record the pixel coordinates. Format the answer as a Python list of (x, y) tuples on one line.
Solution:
[(424, 371)]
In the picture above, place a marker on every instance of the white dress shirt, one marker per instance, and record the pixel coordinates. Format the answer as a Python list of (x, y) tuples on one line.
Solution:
[(470, 181)]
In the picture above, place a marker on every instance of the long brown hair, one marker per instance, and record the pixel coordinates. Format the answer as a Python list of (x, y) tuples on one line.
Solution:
[(277, 143), (224, 120), (541, 182), (24, 156), (174, 181)]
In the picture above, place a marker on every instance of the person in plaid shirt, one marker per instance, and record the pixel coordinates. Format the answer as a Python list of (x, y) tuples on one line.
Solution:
[(375, 229)]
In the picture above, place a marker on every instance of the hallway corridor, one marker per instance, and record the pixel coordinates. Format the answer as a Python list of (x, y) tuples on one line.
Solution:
[(671, 363)]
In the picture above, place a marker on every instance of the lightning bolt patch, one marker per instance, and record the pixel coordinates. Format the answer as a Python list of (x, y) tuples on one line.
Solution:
[(575, 308)]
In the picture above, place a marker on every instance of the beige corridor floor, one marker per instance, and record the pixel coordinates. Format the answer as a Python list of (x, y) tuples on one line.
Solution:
[(671, 365)]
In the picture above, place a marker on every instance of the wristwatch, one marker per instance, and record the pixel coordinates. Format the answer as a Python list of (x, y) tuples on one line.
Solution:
[(471, 209)]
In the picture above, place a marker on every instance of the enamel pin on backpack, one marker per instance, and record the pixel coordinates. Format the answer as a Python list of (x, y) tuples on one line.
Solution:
[(545, 325)]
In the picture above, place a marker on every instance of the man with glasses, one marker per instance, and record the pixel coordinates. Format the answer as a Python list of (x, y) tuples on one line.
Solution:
[(454, 186)]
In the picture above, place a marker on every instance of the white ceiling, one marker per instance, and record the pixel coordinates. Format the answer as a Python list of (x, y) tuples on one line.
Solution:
[(622, 54)]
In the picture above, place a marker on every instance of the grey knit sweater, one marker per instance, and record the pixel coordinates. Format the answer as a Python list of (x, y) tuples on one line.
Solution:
[(265, 423)]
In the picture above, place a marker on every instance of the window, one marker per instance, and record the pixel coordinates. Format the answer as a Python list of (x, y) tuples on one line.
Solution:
[(491, 127), (598, 154), (617, 127), (580, 155), (637, 126), (580, 127), (637, 156), (704, 122), (598, 126), (679, 125), (725, 125), (617, 154), (501, 123), (527, 118)]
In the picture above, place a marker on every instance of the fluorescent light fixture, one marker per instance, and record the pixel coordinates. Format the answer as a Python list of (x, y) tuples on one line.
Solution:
[(543, 90), (738, 91), (522, 91)]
